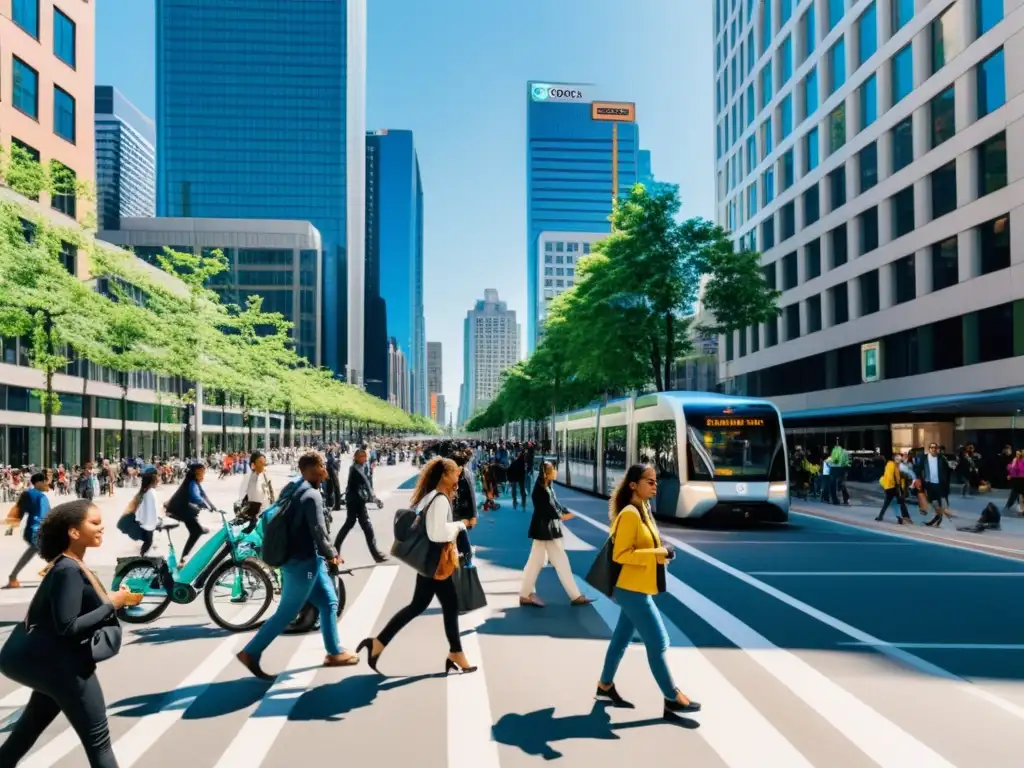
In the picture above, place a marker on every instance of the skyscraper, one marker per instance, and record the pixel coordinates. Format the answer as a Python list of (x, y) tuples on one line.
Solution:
[(568, 177), (261, 114), (491, 345), (394, 215), (434, 382), (125, 159)]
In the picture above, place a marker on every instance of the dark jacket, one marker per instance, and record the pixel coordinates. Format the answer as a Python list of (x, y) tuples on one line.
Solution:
[(357, 489), (517, 469), (546, 523), (921, 470), (307, 532)]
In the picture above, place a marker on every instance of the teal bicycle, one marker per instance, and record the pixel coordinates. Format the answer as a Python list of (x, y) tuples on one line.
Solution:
[(237, 588)]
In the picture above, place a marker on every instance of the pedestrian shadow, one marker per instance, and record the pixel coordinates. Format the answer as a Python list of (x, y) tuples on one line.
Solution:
[(176, 633), (199, 702), (535, 732), (331, 701)]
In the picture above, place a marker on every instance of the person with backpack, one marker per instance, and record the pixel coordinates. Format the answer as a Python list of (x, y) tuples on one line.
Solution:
[(296, 541), (464, 507), (33, 505)]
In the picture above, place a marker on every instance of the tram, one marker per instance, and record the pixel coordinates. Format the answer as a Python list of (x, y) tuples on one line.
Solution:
[(714, 454)]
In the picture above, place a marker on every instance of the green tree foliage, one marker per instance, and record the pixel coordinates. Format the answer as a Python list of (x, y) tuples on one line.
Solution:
[(629, 316)]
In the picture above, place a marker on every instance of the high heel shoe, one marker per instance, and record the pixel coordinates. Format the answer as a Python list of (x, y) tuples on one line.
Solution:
[(450, 666), (371, 660)]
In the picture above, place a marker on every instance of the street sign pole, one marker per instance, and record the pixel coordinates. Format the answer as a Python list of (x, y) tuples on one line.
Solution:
[(614, 112)]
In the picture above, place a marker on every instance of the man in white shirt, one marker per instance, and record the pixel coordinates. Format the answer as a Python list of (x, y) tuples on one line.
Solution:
[(257, 491)]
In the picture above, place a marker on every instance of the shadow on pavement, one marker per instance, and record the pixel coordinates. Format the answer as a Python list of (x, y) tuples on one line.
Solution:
[(535, 732), (213, 700), (176, 633), (333, 700)]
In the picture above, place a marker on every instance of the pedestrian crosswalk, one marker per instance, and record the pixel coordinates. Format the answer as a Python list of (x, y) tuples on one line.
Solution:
[(176, 695)]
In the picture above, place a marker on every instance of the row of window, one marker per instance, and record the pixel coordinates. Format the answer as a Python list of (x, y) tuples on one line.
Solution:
[(26, 100), (25, 13), (561, 247)]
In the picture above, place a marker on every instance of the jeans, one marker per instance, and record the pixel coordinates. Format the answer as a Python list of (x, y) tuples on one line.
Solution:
[(638, 612), (304, 581), (426, 590)]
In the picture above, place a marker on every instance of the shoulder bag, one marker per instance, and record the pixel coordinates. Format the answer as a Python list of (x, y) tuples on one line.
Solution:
[(105, 642), (414, 548), (604, 573)]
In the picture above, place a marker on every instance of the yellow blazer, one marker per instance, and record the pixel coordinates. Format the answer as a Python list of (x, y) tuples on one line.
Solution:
[(636, 539)]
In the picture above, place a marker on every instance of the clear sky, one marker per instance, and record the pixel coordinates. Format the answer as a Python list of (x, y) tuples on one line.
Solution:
[(454, 72)]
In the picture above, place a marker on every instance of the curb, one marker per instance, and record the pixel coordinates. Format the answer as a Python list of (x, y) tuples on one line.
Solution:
[(915, 532)]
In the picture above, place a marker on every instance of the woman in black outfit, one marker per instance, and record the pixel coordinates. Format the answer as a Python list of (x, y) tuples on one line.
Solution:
[(185, 505), (56, 659), (433, 500)]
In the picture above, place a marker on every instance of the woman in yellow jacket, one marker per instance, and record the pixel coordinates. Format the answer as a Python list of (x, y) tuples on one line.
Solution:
[(639, 550), (892, 481)]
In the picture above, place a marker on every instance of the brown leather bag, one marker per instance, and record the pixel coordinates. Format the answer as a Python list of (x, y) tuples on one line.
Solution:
[(447, 563)]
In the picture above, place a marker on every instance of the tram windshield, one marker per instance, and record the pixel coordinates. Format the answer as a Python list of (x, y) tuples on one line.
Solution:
[(739, 443)]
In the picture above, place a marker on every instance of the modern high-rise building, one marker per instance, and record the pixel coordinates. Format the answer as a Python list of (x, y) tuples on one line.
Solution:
[(644, 174), (557, 255), (394, 257), (261, 114), (46, 100), (568, 176), (865, 149), (399, 394), (491, 345), (435, 386), (125, 159)]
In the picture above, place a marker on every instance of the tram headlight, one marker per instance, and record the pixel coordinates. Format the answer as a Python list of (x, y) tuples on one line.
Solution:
[(778, 490)]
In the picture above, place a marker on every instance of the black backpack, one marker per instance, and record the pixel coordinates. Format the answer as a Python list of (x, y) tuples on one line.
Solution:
[(277, 529), (464, 507)]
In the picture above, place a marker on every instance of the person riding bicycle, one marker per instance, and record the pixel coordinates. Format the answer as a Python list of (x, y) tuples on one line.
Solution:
[(185, 505)]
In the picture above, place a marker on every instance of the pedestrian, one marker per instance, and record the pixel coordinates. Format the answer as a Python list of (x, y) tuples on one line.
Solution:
[(639, 550), (333, 486), (306, 578), (358, 493), (464, 503), (185, 505), (516, 476), (69, 614), (432, 498), (33, 506), (893, 485), (258, 493), (140, 519), (546, 532)]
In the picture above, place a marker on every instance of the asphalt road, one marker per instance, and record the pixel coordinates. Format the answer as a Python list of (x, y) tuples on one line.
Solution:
[(814, 645)]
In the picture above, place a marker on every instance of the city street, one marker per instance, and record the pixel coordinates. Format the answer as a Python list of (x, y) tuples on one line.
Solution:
[(819, 644)]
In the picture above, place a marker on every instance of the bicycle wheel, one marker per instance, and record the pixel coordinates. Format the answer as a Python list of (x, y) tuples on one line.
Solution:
[(308, 619), (142, 575), (237, 595)]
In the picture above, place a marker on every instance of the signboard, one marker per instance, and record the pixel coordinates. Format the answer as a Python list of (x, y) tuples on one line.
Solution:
[(715, 422), (566, 94), (613, 111), (870, 362)]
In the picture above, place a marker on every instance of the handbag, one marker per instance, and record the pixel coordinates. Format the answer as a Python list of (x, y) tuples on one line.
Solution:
[(468, 590), (412, 546), (604, 573), (105, 642), (447, 562)]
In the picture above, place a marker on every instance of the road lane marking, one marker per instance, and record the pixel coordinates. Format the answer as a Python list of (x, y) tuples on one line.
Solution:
[(15, 701), (726, 711), (950, 646), (896, 654), (943, 574), (726, 542), (874, 734), (254, 741), (470, 726)]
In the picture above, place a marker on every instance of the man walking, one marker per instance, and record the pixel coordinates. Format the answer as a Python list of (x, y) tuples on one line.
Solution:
[(358, 492)]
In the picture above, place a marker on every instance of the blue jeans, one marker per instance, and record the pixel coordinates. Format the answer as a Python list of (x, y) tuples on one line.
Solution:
[(638, 612), (303, 581)]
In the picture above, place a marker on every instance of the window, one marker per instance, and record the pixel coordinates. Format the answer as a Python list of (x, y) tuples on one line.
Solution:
[(26, 88), (836, 66), (789, 272), (768, 270), (947, 35), (902, 145), (836, 10), (785, 11), (811, 150), (63, 38), (771, 332), (810, 32), (768, 232), (786, 117), (836, 128), (767, 142), (751, 200), (766, 25), (25, 13), (810, 89), (905, 279), (903, 212), (992, 173), (991, 84), (787, 221), (943, 122), (766, 85), (792, 315), (867, 34), (63, 114), (812, 206), (657, 447), (902, 12), (869, 102), (943, 184), (840, 304), (990, 13), (768, 185), (64, 196), (945, 264), (902, 74), (786, 56), (840, 246), (751, 153), (837, 187), (869, 293), (868, 224), (751, 109), (812, 260), (867, 165), (814, 314), (786, 170), (995, 244)]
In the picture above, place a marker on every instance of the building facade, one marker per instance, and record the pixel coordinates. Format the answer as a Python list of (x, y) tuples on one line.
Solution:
[(278, 133), (399, 385), (872, 152), (276, 260), (46, 96), (394, 216), (568, 175), (492, 341), (557, 255), (125, 159), (435, 382)]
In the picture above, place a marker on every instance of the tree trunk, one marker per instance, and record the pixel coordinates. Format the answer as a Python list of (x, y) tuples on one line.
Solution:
[(287, 426), (656, 365), (158, 448), (48, 405), (223, 423), (124, 415), (670, 342)]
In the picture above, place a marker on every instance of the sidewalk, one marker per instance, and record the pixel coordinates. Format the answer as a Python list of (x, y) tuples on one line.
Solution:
[(863, 509)]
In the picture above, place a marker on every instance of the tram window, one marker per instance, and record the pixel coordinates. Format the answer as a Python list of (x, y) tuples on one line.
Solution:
[(743, 445), (614, 457), (657, 447)]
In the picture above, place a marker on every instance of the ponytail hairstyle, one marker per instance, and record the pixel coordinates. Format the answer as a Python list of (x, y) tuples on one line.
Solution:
[(624, 491), (149, 479)]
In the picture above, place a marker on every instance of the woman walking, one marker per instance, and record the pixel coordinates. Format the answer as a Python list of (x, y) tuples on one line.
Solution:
[(56, 657), (141, 518), (433, 501), (546, 532), (639, 550)]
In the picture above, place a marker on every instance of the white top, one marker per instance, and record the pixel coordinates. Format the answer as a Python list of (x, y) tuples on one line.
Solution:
[(440, 528), (933, 469), (255, 488), (146, 512)]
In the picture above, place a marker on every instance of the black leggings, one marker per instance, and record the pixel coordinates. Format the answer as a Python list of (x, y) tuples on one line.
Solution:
[(426, 590), (195, 531), (81, 701)]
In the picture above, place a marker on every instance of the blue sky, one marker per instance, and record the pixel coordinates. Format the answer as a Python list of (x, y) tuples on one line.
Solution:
[(454, 72)]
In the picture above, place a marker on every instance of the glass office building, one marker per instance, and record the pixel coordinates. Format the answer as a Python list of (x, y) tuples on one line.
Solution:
[(568, 175), (257, 104), (125, 159), (394, 249), (865, 149)]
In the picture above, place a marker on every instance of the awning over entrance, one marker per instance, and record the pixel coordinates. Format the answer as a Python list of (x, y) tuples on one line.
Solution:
[(993, 402)]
